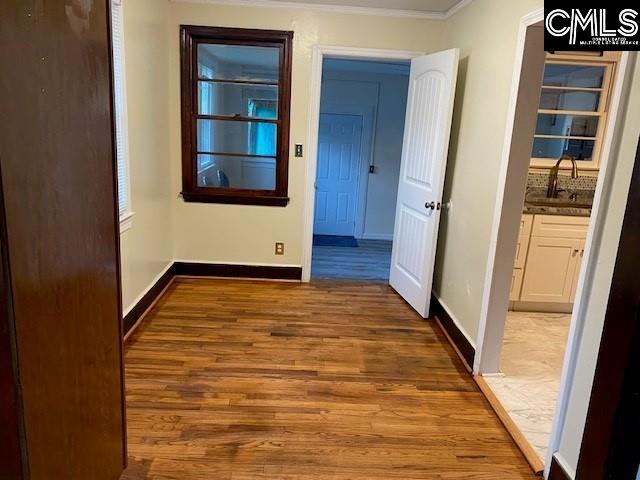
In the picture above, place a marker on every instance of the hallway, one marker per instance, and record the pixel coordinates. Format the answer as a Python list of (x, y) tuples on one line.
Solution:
[(329, 380)]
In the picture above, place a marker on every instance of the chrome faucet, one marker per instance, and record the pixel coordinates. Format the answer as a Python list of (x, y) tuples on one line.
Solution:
[(552, 191)]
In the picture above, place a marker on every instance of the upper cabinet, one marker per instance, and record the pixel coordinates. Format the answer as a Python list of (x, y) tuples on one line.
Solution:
[(573, 110)]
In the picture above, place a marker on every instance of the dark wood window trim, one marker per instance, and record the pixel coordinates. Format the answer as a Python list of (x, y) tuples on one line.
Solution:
[(190, 38)]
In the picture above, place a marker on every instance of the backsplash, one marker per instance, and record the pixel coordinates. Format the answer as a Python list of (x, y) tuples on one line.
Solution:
[(541, 180)]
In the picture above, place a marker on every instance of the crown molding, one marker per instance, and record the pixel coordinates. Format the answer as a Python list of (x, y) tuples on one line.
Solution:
[(456, 8), (321, 7)]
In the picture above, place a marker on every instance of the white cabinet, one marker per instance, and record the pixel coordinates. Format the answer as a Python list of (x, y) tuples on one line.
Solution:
[(551, 269), (548, 261)]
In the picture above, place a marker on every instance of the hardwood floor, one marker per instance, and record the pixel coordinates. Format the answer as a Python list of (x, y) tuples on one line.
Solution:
[(330, 380), (370, 260)]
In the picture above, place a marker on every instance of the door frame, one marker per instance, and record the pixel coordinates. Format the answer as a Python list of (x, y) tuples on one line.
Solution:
[(318, 55), (367, 141), (493, 312)]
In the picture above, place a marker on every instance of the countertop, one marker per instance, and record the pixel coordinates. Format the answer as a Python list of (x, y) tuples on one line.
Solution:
[(536, 203)]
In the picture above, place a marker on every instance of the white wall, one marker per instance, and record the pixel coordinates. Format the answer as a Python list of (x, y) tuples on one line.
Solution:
[(608, 237), (146, 248), (387, 95), (485, 32), (246, 234)]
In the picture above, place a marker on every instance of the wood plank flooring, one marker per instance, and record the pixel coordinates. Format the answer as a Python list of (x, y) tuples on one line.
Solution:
[(370, 260), (329, 380)]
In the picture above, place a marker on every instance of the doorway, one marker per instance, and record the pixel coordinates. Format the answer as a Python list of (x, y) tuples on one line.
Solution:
[(360, 136), (563, 113), (417, 209)]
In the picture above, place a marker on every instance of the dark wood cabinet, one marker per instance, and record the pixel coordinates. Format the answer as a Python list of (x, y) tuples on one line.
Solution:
[(60, 332)]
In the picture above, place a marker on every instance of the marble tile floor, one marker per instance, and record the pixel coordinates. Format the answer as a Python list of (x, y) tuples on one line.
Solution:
[(532, 356)]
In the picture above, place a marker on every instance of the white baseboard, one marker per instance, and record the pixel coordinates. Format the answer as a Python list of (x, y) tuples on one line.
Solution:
[(377, 236)]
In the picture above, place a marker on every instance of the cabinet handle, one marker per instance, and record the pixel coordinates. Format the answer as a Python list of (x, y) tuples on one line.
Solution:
[(576, 251)]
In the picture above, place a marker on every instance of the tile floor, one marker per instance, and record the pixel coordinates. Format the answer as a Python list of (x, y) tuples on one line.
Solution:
[(532, 357)]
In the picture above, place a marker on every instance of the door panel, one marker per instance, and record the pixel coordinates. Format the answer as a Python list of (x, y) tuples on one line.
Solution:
[(337, 174), (58, 174), (424, 155)]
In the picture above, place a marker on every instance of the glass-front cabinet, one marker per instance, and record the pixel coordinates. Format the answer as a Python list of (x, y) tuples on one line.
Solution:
[(574, 104)]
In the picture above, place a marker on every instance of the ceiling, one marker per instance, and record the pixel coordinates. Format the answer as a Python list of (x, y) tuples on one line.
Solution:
[(417, 8), (422, 6)]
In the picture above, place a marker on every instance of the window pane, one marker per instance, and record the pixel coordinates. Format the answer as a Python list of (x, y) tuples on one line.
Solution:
[(567, 125), (220, 171), (556, 147), (567, 75), (243, 138), (237, 62), (569, 100), (247, 100)]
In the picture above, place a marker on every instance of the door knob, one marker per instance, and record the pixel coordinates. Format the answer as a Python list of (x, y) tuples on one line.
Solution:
[(430, 205)]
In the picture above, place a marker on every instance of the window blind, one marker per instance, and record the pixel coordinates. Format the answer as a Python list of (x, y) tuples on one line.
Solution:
[(118, 80)]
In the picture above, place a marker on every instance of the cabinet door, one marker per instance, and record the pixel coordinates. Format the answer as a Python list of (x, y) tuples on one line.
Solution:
[(550, 269)]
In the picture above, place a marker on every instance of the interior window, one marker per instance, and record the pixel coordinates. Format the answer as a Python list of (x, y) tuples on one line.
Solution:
[(572, 112), (235, 115)]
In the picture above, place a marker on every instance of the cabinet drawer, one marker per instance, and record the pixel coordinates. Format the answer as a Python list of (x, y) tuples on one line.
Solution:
[(516, 284), (560, 226)]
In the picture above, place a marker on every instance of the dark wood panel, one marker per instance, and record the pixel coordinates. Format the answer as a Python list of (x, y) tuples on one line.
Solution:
[(280, 380), (10, 413), (556, 472), (57, 156), (457, 338), (242, 271), (609, 441)]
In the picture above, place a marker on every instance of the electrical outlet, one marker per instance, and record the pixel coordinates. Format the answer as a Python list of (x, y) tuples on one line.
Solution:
[(279, 248)]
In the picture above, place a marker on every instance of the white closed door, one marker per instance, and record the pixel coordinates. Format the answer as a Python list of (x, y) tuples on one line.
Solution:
[(337, 177), (424, 157)]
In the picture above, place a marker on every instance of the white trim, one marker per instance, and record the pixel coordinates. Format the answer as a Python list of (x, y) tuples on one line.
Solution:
[(126, 221), (251, 264), (571, 473), (525, 22), (319, 52), (585, 280), (455, 321), (126, 216), (146, 290), (377, 236), (344, 9), (456, 8)]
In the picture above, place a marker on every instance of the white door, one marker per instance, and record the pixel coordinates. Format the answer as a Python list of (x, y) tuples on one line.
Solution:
[(424, 156), (337, 178)]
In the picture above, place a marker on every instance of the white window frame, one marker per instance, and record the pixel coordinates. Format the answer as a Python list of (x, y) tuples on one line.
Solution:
[(120, 111)]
